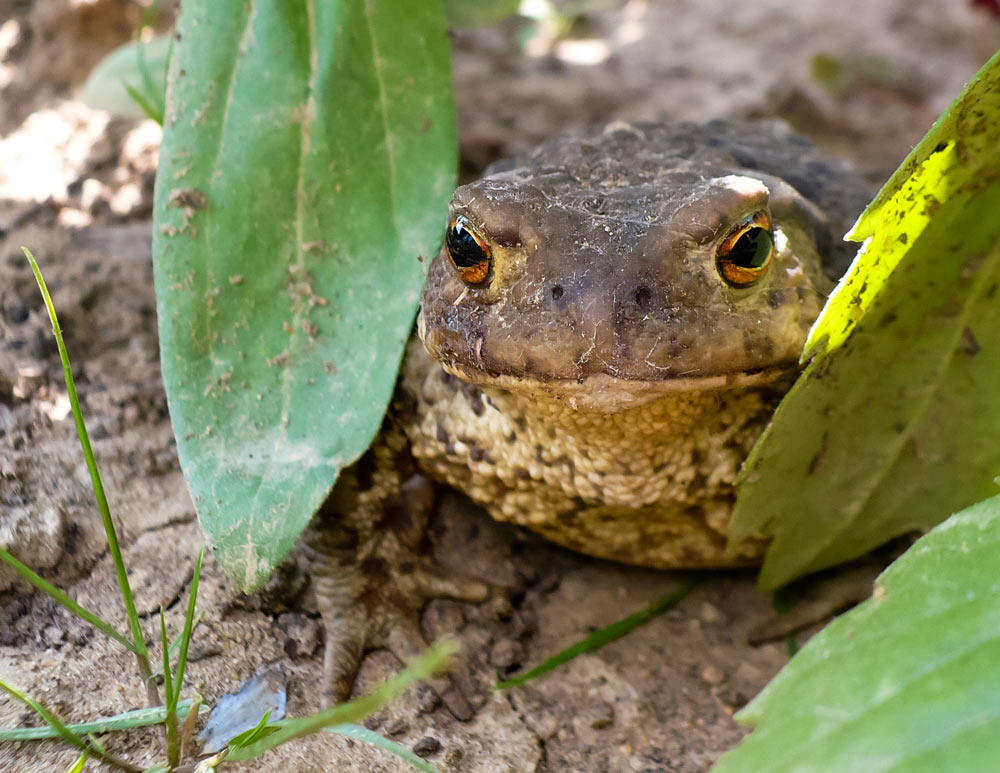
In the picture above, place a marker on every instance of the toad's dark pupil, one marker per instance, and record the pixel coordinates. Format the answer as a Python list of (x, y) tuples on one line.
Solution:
[(463, 247), (751, 249)]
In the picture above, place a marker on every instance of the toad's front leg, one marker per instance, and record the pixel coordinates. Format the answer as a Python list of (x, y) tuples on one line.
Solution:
[(371, 569)]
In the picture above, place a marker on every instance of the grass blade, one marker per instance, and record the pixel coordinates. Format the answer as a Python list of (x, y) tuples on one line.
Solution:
[(150, 110), (51, 719), (64, 732), (606, 635), (142, 656), (435, 659), (63, 598), (188, 626), (154, 97), (362, 733), (158, 671), (124, 721)]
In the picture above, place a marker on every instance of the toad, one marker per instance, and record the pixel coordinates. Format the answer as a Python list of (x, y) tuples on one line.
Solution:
[(605, 333)]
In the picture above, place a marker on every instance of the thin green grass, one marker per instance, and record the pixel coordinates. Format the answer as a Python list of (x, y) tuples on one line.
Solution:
[(607, 634), (779, 600), (246, 746), (138, 642), (152, 99), (126, 721), (63, 598), (144, 104), (362, 733), (65, 733), (175, 644), (172, 688)]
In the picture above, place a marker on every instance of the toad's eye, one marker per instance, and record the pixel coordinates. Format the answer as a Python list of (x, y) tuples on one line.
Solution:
[(468, 251), (746, 254)]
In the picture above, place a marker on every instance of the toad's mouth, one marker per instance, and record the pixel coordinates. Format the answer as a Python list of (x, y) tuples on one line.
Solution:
[(605, 393)]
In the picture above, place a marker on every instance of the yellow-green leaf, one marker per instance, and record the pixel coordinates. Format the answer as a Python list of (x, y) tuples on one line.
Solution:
[(895, 421)]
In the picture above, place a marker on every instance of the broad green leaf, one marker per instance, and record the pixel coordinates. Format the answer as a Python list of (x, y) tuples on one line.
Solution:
[(307, 162), (895, 420), (908, 682)]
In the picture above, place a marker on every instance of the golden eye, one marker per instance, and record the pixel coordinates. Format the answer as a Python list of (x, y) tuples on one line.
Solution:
[(746, 254), (468, 251)]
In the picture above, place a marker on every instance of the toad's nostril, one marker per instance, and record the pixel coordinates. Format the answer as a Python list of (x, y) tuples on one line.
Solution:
[(557, 292), (643, 297)]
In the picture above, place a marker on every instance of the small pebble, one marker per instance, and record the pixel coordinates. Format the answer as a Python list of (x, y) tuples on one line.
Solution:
[(506, 653), (427, 700), (498, 608), (302, 635), (600, 715), (426, 746), (396, 727), (713, 675), (18, 314), (53, 635), (442, 617), (709, 613), (202, 648)]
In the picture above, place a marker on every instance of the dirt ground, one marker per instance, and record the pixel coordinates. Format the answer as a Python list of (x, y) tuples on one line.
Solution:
[(865, 78)]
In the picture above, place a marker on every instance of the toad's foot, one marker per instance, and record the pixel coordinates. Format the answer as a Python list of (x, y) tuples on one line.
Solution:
[(370, 586)]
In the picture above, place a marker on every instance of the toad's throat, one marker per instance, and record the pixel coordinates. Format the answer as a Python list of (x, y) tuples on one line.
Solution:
[(603, 393)]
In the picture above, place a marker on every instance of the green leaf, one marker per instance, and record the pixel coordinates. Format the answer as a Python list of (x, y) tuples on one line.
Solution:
[(307, 163), (895, 420), (130, 81), (908, 681)]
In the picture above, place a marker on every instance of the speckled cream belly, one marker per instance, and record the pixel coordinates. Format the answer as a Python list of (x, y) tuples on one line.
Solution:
[(650, 485)]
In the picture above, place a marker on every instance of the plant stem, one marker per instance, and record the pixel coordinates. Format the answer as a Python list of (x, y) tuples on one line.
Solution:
[(141, 654), (170, 723)]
